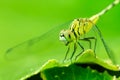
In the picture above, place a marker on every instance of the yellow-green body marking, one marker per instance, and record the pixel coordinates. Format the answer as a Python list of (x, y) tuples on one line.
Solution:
[(80, 27)]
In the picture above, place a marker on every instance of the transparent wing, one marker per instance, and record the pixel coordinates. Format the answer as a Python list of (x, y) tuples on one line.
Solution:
[(108, 50), (44, 47)]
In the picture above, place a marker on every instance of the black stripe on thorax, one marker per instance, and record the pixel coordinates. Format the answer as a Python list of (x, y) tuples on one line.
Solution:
[(74, 33), (79, 23), (78, 31)]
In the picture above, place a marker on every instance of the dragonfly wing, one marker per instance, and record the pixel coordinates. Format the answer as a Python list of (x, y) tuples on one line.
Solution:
[(46, 46), (108, 50)]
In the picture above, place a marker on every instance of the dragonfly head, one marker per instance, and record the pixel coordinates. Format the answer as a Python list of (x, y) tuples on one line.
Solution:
[(66, 36)]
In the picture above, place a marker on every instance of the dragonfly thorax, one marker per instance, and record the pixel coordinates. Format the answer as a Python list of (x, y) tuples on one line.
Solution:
[(78, 28)]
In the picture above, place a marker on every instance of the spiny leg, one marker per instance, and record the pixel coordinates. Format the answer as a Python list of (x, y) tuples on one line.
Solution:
[(88, 39), (75, 47), (81, 51), (66, 53), (93, 38)]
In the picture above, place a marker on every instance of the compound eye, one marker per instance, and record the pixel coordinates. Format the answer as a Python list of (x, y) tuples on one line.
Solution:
[(62, 35)]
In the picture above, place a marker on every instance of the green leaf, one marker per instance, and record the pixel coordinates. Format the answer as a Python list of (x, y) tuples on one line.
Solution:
[(87, 67), (89, 57), (74, 72)]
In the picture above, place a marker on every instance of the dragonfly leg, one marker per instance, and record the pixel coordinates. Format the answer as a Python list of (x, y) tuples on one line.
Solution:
[(66, 53), (89, 40), (75, 47), (81, 51)]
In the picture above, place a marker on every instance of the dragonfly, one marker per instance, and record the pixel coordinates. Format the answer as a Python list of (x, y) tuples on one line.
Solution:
[(49, 46), (82, 26)]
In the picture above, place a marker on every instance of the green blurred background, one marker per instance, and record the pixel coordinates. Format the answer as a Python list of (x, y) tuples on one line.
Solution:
[(21, 20)]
